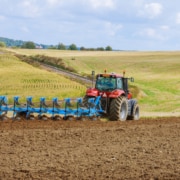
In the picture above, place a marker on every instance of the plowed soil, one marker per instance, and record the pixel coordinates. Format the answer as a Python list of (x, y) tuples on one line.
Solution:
[(144, 149)]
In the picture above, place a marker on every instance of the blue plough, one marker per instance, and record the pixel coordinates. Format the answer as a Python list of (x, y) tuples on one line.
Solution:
[(93, 108)]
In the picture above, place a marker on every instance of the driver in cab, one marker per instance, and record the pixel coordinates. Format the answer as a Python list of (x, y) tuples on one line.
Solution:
[(110, 83)]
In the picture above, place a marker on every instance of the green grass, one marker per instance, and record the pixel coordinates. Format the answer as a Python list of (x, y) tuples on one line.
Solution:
[(21, 79), (157, 74)]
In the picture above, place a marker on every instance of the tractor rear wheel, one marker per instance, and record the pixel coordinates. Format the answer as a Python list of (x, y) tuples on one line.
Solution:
[(118, 109), (135, 113)]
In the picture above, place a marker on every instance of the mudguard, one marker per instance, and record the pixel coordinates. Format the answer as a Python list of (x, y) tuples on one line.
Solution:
[(116, 93)]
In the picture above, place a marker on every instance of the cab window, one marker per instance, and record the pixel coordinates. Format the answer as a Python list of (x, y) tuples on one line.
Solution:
[(119, 83)]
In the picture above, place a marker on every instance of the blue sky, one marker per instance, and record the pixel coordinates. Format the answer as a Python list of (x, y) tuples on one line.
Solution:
[(122, 24)]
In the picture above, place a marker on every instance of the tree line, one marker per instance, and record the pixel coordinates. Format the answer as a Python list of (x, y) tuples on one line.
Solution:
[(5, 42), (61, 46)]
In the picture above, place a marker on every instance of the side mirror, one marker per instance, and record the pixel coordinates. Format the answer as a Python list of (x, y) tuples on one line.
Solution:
[(131, 79), (93, 73)]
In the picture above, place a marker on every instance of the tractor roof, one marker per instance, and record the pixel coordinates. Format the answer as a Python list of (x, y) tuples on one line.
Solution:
[(113, 75)]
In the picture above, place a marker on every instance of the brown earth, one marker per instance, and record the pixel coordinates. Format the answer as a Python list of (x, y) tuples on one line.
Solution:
[(144, 149)]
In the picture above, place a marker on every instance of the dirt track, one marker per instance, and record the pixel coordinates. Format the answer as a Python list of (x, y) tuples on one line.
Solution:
[(144, 149)]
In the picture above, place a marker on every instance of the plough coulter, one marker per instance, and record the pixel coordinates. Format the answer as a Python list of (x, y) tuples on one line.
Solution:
[(56, 110)]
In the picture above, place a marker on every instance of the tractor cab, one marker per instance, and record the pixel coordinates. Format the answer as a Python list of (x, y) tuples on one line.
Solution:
[(113, 84), (108, 82)]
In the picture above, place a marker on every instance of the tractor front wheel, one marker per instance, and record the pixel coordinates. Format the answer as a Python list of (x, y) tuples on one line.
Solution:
[(118, 109)]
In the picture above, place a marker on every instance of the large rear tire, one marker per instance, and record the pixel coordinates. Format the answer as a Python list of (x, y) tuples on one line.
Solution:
[(135, 113), (118, 109)]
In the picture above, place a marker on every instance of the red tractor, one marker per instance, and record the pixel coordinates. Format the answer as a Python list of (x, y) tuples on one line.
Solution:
[(116, 100)]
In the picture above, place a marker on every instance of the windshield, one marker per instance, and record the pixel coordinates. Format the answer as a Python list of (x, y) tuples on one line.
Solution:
[(106, 83)]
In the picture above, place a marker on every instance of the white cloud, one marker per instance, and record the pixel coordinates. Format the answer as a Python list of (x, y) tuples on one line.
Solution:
[(178, 18), (164, 27), (102, 4), (25, 29), (2, 18), (112, 29), (151, 10), (30, 8), (151, 33), (138, 3), (54, 2)]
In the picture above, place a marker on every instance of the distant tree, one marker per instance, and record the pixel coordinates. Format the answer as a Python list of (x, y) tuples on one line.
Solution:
[(100, 49), (2, 44), (72, 47), (91, 49), (61, 46), (52, 47), (29, 45), (11, 42), (108, 48), (82, 48)]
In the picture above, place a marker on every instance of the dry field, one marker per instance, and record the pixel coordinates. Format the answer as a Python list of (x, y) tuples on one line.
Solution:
[(144, 149)]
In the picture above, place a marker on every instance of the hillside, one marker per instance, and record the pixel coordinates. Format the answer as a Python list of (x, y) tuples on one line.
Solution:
[(156, 73), (22, 79)]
